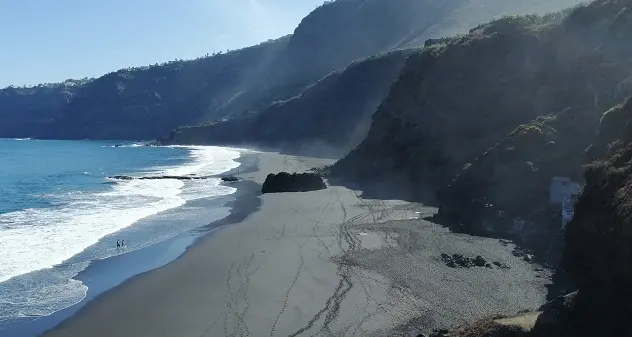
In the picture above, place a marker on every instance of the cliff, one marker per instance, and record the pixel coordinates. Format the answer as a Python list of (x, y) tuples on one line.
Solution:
[(456, 109), (505, 192), (329, 118), (34, 109), (138, 103), (597, 255)]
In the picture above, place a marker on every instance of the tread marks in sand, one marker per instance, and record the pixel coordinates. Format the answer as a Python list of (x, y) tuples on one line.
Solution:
[(348, 244)]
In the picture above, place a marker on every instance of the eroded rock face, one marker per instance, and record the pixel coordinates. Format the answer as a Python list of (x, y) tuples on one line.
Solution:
[(295, 182), (460, 98), (598, 256), (489, 135), (505, 191)]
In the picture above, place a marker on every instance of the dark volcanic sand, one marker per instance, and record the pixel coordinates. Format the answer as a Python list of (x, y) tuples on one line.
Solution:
[(316, 263)]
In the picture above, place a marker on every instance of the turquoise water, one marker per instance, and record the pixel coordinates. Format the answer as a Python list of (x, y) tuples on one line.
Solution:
[(31, 170), (59, 211)]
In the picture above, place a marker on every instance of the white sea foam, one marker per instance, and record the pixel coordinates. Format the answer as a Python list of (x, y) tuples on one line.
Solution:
[(130, 145), (67, 236), (36, 239), (46, 237), (206, 161)]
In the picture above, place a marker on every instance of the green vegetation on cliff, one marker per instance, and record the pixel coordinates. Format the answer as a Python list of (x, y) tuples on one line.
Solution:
[(597, 254), (598, 257), (135, 103), (489, 118), (505, 191), (328, 118)]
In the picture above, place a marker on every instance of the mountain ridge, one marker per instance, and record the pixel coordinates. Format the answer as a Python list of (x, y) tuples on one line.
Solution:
[(149, 102)]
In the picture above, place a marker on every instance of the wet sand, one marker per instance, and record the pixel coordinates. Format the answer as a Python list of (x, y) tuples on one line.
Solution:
[(317, 263)]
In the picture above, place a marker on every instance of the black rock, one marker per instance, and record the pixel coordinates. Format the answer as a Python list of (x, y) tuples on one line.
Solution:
[(500, 265), (230, 179), (479, 261), (458, 260), (518, 253), (439, 333), (295, 182), (462, 261)]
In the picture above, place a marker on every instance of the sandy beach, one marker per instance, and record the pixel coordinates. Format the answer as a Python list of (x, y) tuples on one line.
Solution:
[(323, 263)]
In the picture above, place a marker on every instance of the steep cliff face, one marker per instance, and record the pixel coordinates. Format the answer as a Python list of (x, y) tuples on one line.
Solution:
[(329, 118), (34, 109), (141, 103), (598, 256), (614, 131), (460, 97), (145, 103), (505, 191)]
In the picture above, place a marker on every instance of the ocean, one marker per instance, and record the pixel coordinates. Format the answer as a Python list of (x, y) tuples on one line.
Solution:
[(59, 211)]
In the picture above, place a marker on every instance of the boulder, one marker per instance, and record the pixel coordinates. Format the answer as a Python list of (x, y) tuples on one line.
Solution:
[(460, 261), (295, 182)]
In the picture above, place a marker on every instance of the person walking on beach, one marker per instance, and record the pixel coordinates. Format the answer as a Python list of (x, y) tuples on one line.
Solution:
[(122, 243), (118, 244)]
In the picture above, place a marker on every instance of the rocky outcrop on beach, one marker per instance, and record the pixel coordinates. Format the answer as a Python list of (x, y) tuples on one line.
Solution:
[(295, 182), (460, 261)]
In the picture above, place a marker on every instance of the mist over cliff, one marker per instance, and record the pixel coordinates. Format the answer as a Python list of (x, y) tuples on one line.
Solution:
[(148, 102)]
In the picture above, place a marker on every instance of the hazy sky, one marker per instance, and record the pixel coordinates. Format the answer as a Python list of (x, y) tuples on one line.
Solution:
[(52, 40)]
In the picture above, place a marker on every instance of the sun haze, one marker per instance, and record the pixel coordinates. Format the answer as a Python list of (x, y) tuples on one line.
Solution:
[(50, 41)]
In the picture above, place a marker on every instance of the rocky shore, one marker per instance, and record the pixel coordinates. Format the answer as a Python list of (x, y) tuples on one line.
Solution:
[(597, 254)]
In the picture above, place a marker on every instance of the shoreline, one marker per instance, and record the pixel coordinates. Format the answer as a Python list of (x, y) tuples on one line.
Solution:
[(104, 275), (323, 262)]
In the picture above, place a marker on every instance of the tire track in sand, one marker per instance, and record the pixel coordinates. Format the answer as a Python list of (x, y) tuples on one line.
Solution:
[(289, 290), (332, 306)]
